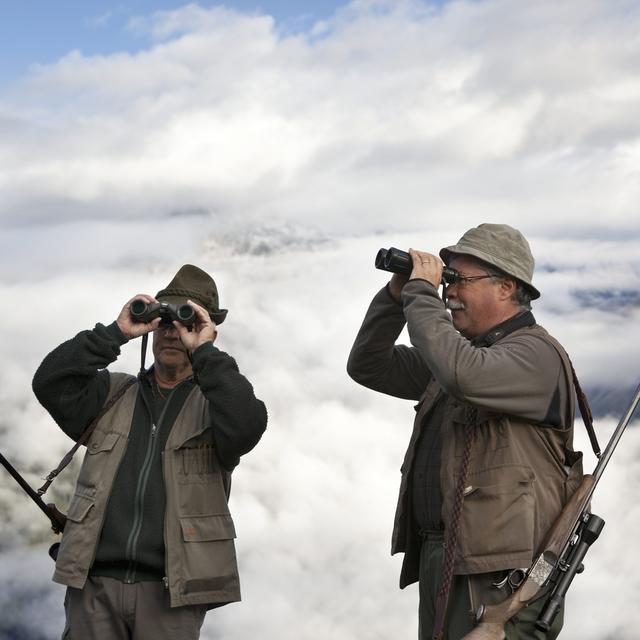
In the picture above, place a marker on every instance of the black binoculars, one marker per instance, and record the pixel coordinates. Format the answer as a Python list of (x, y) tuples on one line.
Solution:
[(398, 261), (142, 311)]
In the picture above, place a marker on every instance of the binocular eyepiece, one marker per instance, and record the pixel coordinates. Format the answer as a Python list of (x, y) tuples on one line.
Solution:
[(142, 311), (398, 261)]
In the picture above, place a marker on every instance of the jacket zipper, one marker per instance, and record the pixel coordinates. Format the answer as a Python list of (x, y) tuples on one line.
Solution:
[(166, 580), (131, 551)]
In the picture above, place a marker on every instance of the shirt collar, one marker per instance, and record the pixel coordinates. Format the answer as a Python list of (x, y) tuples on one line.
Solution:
[(524, 319)]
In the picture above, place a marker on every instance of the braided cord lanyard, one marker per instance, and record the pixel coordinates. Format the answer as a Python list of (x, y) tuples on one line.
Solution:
[(451, 539)]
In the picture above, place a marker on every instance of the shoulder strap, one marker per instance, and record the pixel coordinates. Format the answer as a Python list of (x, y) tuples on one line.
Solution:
[(583, 403), (585, 412), (86, 434)]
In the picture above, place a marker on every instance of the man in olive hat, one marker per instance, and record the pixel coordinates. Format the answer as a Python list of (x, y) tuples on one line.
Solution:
[(148, 546), (490, 462)]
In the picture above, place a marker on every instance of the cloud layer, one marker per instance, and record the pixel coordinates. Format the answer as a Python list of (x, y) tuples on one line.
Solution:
[(314, 503)]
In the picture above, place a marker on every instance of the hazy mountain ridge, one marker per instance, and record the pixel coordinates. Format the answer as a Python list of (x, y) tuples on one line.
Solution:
[(608, 401), (608, 299), (266, 239)]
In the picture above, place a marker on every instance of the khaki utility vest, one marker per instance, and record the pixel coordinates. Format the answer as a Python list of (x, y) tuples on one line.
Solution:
[(200, 561), (520, 476)]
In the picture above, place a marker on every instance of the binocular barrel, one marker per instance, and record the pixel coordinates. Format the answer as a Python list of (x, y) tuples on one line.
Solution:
[(398, 261), (142, 311), (394, 260)]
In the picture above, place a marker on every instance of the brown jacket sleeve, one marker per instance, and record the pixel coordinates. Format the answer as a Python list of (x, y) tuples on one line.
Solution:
[(377, 362), (520, 375)]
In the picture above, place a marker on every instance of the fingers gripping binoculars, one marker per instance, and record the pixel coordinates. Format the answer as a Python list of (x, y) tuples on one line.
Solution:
[(142, 311), (398, 261)]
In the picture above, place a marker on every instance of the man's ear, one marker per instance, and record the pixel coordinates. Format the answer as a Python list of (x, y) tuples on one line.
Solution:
[(507, 288)]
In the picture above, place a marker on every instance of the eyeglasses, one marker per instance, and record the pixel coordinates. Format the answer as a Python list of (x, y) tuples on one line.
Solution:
[(451, 276)]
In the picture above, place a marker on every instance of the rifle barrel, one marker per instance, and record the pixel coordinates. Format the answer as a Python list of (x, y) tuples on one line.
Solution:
[(28, 489)]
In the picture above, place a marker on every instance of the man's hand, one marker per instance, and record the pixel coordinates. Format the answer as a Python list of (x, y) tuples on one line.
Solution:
[(398, 280), (131, 329), (203, 330), (426, 266)]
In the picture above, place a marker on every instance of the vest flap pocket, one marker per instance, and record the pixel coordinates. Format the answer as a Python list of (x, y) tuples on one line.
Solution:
[(105, 444), (204, 528), (79, 507), (500, 478), (498, 513), (188, 437)]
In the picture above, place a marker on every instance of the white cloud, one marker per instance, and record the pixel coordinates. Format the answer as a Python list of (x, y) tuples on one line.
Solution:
[(393, 108)]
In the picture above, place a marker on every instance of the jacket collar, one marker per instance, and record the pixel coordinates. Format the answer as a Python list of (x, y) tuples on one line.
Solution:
[(524, 319)]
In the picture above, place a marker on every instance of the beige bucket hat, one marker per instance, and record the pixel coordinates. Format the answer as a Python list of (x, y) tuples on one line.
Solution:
[(501, 246)]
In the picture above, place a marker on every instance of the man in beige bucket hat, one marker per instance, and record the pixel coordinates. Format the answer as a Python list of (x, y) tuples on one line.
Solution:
[(148, 546), (490, 462)]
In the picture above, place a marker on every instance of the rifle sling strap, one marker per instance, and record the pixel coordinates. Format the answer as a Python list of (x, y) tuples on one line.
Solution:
[(583, 403), (585, 412), (86, 434)]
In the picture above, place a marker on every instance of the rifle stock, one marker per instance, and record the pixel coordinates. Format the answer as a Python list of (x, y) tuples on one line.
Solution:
[(57, 518), (492, 618)]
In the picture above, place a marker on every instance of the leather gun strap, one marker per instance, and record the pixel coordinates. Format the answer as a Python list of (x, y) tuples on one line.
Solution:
[(451, 539), (86, 434), (583, 403), (585, 412)]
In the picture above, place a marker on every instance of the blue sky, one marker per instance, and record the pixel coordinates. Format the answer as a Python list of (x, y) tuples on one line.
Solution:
[(37, 32)]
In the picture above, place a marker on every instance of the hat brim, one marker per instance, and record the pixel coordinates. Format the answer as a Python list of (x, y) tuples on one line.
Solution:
[(448, 252)]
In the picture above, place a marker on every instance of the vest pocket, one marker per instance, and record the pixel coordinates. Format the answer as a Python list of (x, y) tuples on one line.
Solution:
[(198, 464), (77, 540), (498, 518), (79, 507), (93, 466), (205, 528), (209, 558)]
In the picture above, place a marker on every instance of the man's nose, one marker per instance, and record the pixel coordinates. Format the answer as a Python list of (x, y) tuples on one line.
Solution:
[(167, 329)]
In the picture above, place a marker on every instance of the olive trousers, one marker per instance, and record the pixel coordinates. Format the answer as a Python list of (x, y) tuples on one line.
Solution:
[(108, 609), (459, 618)]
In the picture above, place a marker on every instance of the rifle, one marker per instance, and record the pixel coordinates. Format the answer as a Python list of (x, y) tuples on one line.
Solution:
[(56, 517), (561, 555)]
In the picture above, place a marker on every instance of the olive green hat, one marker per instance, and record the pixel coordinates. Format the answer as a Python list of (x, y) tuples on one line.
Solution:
[(501, 246), (192, 283)]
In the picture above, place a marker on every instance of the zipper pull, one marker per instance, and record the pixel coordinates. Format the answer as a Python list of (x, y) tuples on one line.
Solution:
[(153, 430)]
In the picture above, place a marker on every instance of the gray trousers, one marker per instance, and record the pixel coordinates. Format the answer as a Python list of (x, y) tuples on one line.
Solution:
[(459, 619), (108, 609)]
